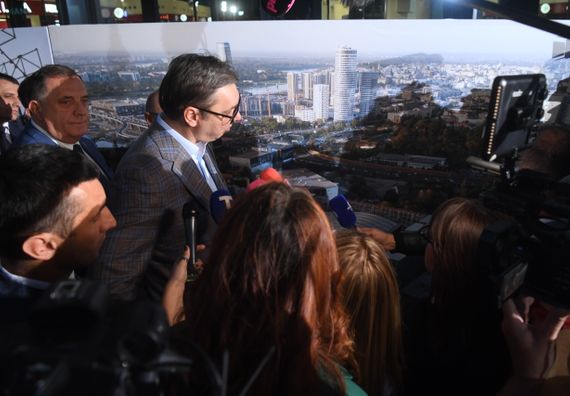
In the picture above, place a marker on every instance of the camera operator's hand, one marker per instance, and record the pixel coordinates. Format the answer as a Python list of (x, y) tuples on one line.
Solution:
[(530, 344), (172, 299), (383, 238)]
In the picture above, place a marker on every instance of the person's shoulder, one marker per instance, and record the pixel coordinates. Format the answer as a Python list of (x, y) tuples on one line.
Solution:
[(31, 135), (352, 388)]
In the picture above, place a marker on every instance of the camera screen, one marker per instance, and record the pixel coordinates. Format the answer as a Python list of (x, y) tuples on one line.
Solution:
[(516, 105)]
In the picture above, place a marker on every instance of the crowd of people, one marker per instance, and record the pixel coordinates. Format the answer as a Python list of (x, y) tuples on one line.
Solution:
[(282, 304)]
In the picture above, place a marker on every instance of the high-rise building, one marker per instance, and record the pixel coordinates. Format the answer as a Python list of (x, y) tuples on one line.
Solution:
[(292, 86), (308, 85), (304, 113), (321, 101), (368, 84), (331, 87), (345, 83), (321, 78), (224, 52)]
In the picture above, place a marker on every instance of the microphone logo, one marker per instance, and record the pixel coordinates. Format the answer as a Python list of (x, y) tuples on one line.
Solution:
[(227, 200)]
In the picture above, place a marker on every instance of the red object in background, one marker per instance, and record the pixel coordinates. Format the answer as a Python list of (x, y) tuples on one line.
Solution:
[(277, 7), (270, 174)]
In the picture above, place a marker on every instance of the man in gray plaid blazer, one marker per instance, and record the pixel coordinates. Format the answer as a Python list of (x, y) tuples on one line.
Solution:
[(167, 166)]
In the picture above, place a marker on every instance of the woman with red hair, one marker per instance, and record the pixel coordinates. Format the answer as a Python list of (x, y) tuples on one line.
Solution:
[(265, 308)]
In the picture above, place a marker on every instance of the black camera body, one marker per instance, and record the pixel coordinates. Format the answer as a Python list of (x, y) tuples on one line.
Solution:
[(76, 340), (532, 250)]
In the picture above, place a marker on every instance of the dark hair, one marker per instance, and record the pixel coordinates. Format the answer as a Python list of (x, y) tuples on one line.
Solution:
[(272, 283), (34, 183), (192, 79), (6, 77), (458, 281), (550, 152), (33, 86)]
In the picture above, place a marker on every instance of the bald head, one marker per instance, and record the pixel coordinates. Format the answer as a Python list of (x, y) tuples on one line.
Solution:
[(152, 108)]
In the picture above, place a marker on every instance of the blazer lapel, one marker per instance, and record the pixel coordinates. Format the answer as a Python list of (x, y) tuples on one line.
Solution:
[(91, 149), (187, 171), (183, 166)]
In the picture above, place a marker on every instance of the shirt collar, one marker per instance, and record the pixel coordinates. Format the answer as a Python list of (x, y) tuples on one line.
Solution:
[(58, 142), (196, 150)]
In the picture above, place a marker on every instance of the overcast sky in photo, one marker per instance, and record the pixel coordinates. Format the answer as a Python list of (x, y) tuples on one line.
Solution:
[(492, 39)]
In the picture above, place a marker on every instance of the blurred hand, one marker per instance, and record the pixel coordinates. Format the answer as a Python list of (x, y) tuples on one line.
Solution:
[(531, 345), (172, 299), (383, 238), (5, 112)]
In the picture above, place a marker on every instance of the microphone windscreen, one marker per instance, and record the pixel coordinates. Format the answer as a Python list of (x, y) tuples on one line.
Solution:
[(254, 184), (343, 211), (277, 7), (270, 174), (220, 203), (188, 210)]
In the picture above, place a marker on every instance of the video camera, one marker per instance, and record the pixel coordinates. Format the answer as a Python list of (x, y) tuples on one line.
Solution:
[(532, 250), (76, 340)]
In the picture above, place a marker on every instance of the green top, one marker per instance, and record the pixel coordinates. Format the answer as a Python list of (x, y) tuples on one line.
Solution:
[(352, 389)]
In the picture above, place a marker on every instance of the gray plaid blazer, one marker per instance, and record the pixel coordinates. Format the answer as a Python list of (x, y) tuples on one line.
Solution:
[(153, 181)]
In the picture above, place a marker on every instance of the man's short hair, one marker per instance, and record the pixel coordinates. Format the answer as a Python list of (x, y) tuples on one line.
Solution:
[(33, 87), (191, 80), (550, 152), (35, 181), (6, 77)]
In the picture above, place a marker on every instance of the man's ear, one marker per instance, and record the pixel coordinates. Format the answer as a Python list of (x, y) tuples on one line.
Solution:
[(191, 116), (42, 246), (34, 107)]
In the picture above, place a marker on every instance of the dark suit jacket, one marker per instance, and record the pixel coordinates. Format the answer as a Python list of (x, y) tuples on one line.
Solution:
[(153, 181), (4, 143), (15, 127), (31, 135)]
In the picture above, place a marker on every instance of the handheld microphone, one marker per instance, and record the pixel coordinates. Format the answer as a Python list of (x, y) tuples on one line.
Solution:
[(277, 7), (189, 215), (220, 203), (343, 211)]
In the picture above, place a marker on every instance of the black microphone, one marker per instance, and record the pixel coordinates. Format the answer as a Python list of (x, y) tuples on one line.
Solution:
[(189, 215), (220, 203), (277, 7)]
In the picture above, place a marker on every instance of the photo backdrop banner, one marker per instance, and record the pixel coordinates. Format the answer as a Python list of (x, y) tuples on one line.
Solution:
[(121, 64), (385, 111)]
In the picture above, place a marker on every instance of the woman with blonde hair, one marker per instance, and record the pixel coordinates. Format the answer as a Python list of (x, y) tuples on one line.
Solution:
[(370, 293)]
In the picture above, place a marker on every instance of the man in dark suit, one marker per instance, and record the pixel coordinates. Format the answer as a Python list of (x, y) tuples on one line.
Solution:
[(10, 112), (53, 218), (58, 105), (169, 165)]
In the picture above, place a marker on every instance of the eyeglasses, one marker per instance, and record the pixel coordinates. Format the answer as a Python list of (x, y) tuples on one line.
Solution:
[(226, 119), (425, 233)]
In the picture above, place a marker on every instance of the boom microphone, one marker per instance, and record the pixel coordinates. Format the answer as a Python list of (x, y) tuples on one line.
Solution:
[(343, 211), (220, 203), (277, 7)]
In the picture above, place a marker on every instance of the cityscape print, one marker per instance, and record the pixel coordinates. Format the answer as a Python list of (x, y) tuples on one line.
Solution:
[(384, 112)]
